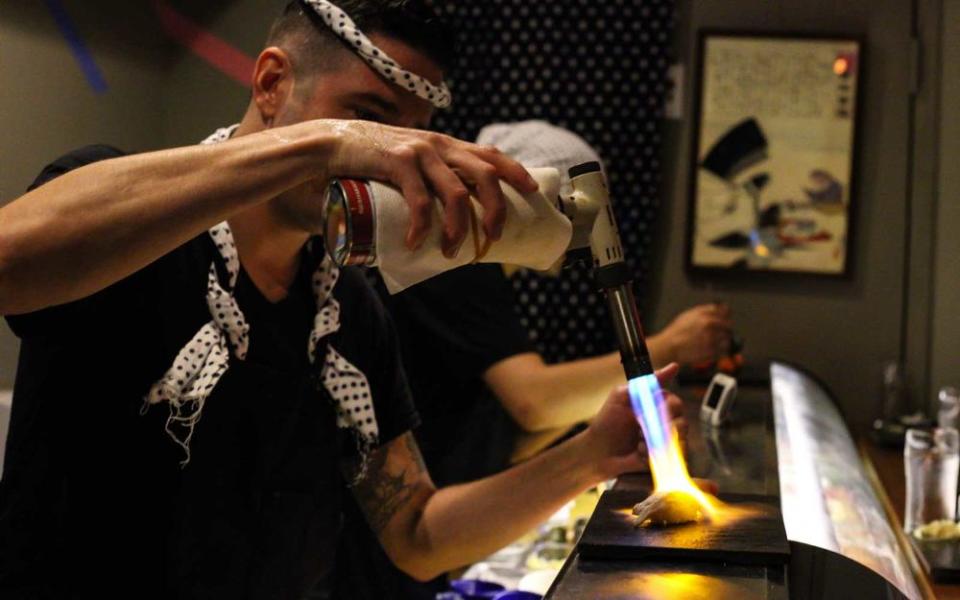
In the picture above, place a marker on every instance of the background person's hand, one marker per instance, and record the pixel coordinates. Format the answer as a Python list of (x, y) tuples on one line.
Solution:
[(425, 165), (699, 334)]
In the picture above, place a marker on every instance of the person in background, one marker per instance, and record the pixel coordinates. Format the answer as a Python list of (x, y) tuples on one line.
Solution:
[(200, 389), (486, 398), (487, 355), (545, 399)]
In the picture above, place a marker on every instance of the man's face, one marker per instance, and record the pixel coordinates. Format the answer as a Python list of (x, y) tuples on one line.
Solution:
[(352, 90)]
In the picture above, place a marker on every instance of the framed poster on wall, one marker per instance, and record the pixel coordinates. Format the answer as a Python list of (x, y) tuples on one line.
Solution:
[(773, 153)]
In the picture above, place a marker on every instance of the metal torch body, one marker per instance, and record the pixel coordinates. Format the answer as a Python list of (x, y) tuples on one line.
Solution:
[(588, 207)]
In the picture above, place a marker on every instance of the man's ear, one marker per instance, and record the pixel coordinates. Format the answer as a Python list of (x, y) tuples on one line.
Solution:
[(273, 82)]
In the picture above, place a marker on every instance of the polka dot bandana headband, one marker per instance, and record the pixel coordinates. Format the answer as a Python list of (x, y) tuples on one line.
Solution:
[(202, 362), (343, 26)]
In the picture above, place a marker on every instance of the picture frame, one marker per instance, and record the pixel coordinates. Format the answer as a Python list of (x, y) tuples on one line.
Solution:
[(773, 153)]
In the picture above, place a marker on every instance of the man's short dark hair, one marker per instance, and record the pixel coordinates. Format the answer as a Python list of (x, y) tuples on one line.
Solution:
[(315, 47)]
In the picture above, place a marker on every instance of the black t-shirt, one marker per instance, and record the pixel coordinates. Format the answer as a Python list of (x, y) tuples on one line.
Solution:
[(93, 500), (452, 328)]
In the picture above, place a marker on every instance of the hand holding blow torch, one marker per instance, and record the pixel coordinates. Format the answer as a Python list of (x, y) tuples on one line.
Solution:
[(588, 207)]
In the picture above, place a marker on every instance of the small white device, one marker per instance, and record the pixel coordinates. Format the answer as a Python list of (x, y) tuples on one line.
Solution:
[(718, 401)]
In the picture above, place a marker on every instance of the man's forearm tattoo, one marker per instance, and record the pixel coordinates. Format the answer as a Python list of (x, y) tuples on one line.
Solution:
[(382, 493), (415, 453)]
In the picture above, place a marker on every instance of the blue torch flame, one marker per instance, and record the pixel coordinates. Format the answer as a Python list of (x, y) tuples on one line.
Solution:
[(647, 400)]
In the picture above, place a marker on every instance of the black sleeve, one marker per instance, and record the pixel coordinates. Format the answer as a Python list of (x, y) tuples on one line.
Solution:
[(80, 157), (368, 339), (468, 312), (70, 316)]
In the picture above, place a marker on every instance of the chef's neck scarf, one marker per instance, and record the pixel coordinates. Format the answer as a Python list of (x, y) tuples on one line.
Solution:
[(344, 27), (202, 362)]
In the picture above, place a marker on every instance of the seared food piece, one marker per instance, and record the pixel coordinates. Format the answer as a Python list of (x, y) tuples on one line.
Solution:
[(661, 509), (943, 529)]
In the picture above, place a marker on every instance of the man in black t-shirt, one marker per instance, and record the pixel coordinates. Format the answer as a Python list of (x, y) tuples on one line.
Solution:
[(199, 387), (266, 435)]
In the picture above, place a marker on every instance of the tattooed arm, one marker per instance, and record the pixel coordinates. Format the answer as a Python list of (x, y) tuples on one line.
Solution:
[(396, 479), (427, 532)]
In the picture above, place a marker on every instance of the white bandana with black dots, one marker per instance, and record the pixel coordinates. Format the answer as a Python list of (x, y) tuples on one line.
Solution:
[(203, 361), (342, 25)]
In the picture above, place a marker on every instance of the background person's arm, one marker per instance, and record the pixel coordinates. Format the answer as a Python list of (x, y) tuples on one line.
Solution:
[(539, 396), (427, 532), (100, 223)]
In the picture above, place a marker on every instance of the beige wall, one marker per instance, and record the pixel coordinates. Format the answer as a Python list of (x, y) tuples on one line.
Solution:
[(945, 363), (47, 108), (840, 329), (216, 100), (161, 95)]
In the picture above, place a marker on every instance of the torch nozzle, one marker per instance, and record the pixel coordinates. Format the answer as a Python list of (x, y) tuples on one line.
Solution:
[(626, 322)]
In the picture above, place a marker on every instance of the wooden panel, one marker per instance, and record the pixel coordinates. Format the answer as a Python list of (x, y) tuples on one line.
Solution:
[(756, 537)]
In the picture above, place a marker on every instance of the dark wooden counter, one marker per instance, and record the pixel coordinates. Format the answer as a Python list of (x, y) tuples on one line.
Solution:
[(887, 464), (741, 459)]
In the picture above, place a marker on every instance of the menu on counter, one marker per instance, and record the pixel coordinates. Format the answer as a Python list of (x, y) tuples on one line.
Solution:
[(826, 498)]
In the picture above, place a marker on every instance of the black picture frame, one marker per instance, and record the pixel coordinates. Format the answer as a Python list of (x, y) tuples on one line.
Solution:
[(763, 112)]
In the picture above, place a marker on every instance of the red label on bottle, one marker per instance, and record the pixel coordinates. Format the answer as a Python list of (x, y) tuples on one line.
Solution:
[(360, 211)]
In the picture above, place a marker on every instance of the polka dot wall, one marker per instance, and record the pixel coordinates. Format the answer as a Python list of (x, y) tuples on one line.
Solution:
[(598, 68)]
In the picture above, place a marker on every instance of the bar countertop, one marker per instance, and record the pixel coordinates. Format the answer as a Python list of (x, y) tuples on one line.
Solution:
[(887, 463), (741, 458)]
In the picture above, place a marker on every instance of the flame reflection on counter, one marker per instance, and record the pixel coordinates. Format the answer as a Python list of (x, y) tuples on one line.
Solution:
[(679, 586)]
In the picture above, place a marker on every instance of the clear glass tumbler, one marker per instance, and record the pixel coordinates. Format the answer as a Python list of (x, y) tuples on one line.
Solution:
[(948, 407), (932, 463)]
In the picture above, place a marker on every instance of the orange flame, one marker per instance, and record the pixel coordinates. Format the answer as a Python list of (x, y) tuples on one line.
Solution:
[(670, 474), (667, 464)]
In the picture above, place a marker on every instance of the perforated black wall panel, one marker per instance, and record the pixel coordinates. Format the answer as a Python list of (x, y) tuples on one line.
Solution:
[(599, 69)]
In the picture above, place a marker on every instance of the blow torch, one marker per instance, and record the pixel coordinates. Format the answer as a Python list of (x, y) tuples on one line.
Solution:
[(595, 228)]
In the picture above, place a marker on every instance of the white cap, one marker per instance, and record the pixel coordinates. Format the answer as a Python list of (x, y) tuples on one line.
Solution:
[(540, 144)]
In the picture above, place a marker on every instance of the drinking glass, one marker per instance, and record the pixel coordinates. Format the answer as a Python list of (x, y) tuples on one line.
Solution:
[(932, 464), (948, 407)]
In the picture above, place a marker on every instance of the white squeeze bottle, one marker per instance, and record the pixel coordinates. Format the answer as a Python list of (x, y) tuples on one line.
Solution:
[(366, 224)]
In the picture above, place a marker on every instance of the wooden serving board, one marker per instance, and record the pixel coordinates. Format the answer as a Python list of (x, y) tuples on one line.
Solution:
[(755, 536)]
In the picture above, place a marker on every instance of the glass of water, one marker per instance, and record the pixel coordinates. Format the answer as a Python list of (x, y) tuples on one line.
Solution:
[(948, 407), (932, 464)]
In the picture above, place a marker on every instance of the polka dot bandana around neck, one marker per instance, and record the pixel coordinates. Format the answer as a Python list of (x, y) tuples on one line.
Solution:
[(202, 362), (343, 26)]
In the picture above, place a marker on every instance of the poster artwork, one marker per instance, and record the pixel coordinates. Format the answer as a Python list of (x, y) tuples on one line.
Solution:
[(774, 154)]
